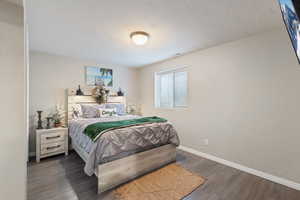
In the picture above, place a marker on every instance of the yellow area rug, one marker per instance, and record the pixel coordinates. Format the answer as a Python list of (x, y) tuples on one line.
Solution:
[(171, 182)]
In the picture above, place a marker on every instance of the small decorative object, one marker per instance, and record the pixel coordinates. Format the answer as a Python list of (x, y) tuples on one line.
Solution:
[(58, 116), (101, 94), (120, 93), (40, 122), (96, 76), (79, 91), (48, 122)]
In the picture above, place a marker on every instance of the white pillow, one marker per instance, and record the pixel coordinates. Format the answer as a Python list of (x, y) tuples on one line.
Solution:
[(91, 110), (107, 112), (77, 111)]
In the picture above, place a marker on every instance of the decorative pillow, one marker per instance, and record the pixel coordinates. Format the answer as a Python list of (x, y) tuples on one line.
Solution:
[(77, 112), (107, 112), (91, 110), (120, 108)]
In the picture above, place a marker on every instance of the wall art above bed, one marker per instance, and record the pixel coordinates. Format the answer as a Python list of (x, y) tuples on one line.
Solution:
[(98, 76)]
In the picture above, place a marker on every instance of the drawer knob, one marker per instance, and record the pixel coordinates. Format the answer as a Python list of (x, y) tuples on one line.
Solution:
[(53, 137), (54, 147)]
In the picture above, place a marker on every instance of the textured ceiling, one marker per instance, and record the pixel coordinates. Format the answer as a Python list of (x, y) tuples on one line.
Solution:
[(99, 29)]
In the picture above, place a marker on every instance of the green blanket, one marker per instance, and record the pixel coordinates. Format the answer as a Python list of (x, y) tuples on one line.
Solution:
[(94, 131)]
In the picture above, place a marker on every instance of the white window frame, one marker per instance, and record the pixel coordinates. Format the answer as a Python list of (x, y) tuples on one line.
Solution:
[(173, 70)]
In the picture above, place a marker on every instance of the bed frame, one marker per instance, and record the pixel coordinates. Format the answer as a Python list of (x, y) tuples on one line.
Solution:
[(119, 171)]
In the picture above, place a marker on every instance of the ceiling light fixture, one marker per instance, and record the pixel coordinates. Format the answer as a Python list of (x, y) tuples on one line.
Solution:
[(139, 37)]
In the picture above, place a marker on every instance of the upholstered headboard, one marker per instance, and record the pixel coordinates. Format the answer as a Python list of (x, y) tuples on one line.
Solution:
[(72, 99)]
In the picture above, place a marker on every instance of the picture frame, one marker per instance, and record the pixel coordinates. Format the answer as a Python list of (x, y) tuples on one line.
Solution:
[(289, 12), (95, 75)]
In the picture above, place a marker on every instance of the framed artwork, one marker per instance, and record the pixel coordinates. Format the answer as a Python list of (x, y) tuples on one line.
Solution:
[(290, 9), (98, 76)]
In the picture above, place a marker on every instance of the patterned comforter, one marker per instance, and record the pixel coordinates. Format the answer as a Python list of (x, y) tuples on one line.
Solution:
[(121, 142)]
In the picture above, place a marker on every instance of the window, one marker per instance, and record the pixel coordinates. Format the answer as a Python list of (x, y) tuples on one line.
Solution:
[(171, 88)]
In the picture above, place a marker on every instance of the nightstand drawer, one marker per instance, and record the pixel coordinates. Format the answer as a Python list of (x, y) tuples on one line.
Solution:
[(53, 137), (52, 147)]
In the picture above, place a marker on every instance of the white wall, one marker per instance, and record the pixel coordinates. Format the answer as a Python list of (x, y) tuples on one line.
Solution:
[(12, 106), (51, 75), (244, 97)]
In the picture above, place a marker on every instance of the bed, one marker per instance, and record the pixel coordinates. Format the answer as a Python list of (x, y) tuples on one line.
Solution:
[(121, 154)]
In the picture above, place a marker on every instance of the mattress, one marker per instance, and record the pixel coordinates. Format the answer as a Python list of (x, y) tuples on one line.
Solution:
[(118, 143)]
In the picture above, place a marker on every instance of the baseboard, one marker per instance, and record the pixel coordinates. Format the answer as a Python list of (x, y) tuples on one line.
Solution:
[(255, 172)]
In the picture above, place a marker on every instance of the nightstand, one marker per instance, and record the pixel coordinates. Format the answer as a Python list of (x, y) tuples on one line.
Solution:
[(50, 142)]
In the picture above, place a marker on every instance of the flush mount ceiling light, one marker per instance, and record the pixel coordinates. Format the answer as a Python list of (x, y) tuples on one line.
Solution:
[(139, 37)]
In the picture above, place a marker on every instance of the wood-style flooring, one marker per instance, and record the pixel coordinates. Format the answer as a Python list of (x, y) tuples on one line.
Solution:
[(62, 178)]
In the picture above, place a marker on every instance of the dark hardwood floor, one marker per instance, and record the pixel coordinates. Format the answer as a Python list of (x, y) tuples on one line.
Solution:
[(62, 178)]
